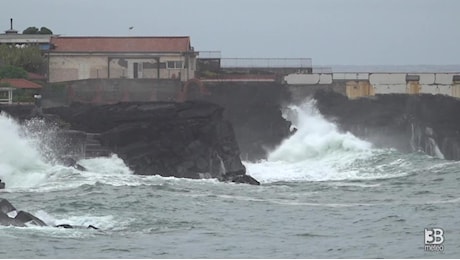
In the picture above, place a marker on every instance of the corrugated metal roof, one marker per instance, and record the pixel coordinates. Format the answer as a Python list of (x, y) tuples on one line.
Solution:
[(121, 44), (20, 83)]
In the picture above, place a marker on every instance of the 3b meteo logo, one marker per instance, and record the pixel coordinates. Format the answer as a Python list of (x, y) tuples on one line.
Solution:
[(434, 237)]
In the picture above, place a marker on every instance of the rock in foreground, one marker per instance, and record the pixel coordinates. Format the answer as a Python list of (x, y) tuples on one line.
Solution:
[(185, 140)]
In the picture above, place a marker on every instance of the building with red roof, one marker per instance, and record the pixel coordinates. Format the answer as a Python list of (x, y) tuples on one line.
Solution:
[(20, 83), (7, 87), (76, 58)]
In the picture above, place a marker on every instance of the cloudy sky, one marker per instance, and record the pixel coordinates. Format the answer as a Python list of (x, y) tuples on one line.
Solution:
[(347, 32)]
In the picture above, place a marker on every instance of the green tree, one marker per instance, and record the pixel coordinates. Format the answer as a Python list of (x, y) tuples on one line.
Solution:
[(12, 72), (45, 30), (31, 30), (29, 58), (35, 30)]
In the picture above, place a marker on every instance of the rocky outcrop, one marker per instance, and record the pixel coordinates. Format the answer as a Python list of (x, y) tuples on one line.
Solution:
[(254, 109), (188, 140), (19, 112), (424, 122), (9, 216)]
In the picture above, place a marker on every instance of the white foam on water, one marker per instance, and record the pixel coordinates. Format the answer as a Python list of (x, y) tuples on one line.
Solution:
[(101, 222), (79, 222), (317, 151), (26, 165), (109, 170)]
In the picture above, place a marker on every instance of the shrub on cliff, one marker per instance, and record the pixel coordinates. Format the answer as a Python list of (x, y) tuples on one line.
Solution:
[(29, 58), (12, 72)]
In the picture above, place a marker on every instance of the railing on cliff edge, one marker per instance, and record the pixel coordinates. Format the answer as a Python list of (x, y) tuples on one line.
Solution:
[(266, 63), (215, 68)]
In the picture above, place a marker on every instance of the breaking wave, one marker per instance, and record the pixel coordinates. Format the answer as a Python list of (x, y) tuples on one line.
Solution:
[(28, 160), (318, 151)]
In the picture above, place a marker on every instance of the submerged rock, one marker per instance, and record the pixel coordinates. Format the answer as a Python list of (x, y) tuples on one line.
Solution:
[(243, 178), (186, 140), (71, 162), (9, 216)]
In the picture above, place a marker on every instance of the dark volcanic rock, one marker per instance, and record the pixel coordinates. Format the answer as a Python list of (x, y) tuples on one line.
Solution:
[(427, 123), (189, 140), (19, 112), (254, 109)]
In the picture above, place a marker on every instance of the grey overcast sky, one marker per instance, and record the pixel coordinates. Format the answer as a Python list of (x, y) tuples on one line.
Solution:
[(346, 32)]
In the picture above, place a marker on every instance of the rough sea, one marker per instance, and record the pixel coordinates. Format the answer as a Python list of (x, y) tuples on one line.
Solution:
[(324, 194)]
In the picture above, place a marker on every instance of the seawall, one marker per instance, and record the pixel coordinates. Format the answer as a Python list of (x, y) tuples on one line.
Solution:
[(362, 84)]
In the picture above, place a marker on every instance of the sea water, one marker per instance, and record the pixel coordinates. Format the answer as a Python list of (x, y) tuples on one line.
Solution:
[(324, 193)]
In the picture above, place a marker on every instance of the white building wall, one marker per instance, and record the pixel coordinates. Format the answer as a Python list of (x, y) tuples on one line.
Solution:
[(389, 89), (325, 79), (64, 68), (351, 76), (301, 79), (426, 78), (384, 83), (443, 78), (77, 67), (387, 78), (436, 89)]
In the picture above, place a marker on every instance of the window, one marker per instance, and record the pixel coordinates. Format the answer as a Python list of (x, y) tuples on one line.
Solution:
[(175, 64)]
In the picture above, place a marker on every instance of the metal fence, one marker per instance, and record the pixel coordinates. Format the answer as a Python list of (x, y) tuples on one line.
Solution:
[(322, 69), (209, 55), (266, 63)]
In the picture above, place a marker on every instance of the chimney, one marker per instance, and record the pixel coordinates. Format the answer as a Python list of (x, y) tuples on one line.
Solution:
[(11, 30)]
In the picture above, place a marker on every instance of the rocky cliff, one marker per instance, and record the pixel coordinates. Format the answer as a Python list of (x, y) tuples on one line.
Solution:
[(254, 109), (425, 122), (189, 140)]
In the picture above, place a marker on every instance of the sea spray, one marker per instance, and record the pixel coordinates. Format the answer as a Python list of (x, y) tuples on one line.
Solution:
[(315, 137), (43, 137), (21, 164), (317, 151)]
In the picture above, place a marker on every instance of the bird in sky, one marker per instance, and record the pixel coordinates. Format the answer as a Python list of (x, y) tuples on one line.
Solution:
[(131, 27)]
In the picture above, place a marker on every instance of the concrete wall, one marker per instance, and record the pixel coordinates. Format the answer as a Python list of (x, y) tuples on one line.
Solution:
[(350, 76), (296, 79), (438, 89), (148, 68), (358, 88), (387, 78), (356, 85), (443, 78), (109, 91), (67, 67)]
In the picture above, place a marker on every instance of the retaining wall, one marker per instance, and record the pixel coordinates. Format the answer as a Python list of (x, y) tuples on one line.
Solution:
[(369, 84)]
